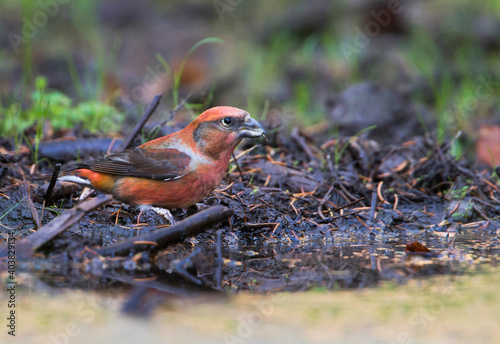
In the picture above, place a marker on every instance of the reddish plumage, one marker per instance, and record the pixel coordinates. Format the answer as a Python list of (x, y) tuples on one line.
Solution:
[(177, 170)]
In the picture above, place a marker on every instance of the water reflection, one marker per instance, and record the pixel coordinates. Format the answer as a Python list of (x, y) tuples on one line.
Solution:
[(211, 271)]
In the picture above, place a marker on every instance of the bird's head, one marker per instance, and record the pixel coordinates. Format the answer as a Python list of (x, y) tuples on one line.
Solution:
[(218, 130)]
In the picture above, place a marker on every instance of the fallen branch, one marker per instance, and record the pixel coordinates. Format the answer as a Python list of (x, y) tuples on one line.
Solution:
[(66, 150), (27, 246), (159, 239)]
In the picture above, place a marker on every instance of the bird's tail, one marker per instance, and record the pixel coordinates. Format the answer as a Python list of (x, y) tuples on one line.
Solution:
[(75, 179), (64, 177)]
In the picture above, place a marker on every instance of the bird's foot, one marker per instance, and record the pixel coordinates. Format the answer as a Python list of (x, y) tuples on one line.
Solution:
[(202, 206), (161, 211), (85, 194), (165, 213)]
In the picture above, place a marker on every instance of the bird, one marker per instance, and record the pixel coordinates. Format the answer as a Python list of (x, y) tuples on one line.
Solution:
[(173, 171)]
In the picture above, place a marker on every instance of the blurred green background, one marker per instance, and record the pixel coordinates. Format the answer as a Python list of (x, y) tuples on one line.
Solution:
[(98, 63)]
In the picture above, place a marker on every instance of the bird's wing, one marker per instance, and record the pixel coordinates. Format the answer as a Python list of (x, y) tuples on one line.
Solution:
[(165, 163)]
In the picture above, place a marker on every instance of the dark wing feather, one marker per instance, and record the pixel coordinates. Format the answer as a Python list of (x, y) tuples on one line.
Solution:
[(165, 163)]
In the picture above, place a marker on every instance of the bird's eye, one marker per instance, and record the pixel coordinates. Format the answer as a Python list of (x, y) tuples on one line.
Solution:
[(227, 121)]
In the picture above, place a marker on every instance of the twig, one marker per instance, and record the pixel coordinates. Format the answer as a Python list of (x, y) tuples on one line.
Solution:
[(180, 267), (484, 216), (349, 204), (302, 144), (347, 195), (34, 241), (323, 201), (238, 167), (484, 180), (52, 183), (466, 171), (219, 261), (396, 202), (259, 225), (242, 154), (48, 193), (31, 206), (371, 220), (191, 226), (485, 203), (331, 219), (145, 116), (379, 192), (171, 114)]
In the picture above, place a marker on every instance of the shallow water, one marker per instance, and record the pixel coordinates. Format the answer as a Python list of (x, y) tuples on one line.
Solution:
[(441, 309)]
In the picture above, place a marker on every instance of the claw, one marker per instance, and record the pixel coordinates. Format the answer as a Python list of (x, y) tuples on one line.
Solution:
[(165, 213), (161, 211)]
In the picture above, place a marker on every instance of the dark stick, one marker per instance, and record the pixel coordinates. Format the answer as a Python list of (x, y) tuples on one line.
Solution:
[(483, 215), (53, 181), (180, 267), (64, 150), (348, 204), (219, 261), (191, 226), (331, 219), (373, 258), (371, 220), (145, 116), (170, 115), (34, 241), (302, 144), (238, 168), (48, 193), (323, 201)]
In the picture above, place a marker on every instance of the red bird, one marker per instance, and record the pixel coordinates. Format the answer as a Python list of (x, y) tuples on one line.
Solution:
[(174, 171)]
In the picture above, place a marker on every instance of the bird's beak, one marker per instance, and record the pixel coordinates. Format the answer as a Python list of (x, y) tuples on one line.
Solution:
[(252, 129)]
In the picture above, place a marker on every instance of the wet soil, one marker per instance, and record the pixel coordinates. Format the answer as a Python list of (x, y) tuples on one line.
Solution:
[(300, 222)]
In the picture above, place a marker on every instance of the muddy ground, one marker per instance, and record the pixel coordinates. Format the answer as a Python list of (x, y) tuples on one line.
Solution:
[(300, 221)]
